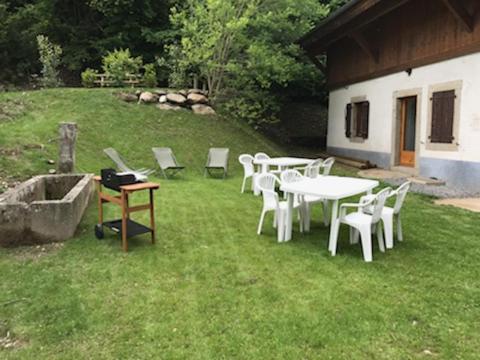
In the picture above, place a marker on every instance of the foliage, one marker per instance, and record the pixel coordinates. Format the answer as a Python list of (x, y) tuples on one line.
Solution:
[(118, 64), (210, 288), (50, 59), (209, 32), (89, 77), (86, 30), (150, 76), (253, 53)]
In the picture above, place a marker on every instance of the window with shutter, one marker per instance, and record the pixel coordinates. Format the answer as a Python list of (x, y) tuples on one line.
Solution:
[(348, 120), (362, 110), (443, 114)]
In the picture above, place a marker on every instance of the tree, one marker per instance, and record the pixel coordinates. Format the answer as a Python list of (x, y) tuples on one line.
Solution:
[(50, 59), (247, 49), (209, 31)]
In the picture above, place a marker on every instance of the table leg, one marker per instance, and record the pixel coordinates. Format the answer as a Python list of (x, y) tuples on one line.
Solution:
[(100, 204), (152, 216), (289, 218), (124, 197), (332, 242), (307, 217)]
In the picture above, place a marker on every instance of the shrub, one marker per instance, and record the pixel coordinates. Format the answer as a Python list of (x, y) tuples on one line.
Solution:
[(119, 63), (150, 76), (89, 77), (50, 59)]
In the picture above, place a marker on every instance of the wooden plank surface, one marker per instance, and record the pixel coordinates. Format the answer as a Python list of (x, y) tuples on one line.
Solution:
[(415, 34)]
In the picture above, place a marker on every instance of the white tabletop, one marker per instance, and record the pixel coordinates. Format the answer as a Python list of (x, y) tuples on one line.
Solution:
[(330, 187), (283, 161)]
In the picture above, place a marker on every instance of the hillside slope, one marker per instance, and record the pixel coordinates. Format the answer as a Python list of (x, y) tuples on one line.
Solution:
[(29, 127)]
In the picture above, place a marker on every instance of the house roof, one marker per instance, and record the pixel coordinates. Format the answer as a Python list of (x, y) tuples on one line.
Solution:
[(347, 20)]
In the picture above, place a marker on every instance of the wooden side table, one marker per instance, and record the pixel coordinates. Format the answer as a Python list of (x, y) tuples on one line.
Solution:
[(125, 226)]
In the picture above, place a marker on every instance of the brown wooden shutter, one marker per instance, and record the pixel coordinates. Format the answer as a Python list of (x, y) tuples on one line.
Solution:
[(443, 112), (348, 121), (365, 109)]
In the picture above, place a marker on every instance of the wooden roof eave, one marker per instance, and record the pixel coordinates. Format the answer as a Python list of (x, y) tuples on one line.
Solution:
[(348, 22)]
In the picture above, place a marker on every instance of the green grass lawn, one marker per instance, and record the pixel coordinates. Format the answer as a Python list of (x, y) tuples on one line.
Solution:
[(211, 288)]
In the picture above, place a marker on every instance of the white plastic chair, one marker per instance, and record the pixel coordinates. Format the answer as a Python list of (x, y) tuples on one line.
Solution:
[(260, 156), (266, 183), (362, 224), (312, 170), (327, 165), (292, 175), (248, 169), (389, 214)]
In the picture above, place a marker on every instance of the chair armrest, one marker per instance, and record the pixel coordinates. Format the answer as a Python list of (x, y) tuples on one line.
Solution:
[(344, 207), (366, 198)]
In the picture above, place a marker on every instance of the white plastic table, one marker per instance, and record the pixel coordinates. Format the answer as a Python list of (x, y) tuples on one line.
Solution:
[(333, 188), (281, 163)]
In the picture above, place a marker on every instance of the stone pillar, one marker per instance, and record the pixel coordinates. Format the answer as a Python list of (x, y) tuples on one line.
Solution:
[(68, 137)]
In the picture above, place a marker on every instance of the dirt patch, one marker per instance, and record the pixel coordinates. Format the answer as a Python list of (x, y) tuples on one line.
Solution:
[(35, 253), (470, 204), (13, 153), (7, 339), (7, 183), (10, 109)]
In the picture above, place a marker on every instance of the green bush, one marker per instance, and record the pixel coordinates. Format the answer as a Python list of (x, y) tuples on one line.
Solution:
[(89, 77), (120, 63), (150, 76), (50, 59)]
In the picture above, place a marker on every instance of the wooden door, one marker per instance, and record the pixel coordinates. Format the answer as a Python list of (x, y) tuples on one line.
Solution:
[(408, 124)]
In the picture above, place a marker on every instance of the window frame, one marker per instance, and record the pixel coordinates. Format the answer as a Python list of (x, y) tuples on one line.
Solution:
[(355, 102), (455, 86)]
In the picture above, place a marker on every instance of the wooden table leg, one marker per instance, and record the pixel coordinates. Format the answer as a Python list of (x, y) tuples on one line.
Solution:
[(152, 216), (100, 203), (124, 221)]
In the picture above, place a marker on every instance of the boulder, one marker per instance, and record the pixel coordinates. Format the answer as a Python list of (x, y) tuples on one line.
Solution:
[(201, 109), (195, 91), (160, 92), (167, 106), (148, 97), (176, 98), (194, 98), (162, 99), (183, 92), (128, 97)]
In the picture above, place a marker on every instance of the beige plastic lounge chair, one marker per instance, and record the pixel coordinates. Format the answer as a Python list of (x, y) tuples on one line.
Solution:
[(217, 159), (117, 159), (167, 161)]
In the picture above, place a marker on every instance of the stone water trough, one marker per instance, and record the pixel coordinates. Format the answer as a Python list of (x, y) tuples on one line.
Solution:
[(46, 208)]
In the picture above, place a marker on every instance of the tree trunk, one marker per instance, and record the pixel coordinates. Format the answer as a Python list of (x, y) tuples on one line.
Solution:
[(68, 137)]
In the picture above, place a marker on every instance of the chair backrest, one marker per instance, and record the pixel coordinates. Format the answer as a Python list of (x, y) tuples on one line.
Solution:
[(401, 194), (116, 158), (218, 157), (165, 157), (379, 203), (266, 183), (247, 162), (290, 176), (327, 165), (261, 156), (312, 170)]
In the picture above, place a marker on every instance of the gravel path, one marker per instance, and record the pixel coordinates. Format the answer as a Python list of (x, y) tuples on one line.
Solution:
[(443, 191)]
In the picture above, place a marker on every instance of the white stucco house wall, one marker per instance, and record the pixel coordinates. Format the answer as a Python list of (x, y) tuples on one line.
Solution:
[(410, 123)]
